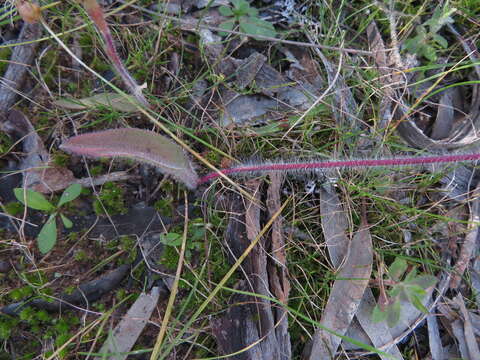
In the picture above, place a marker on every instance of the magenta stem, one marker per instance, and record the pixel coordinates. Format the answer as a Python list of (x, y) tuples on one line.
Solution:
[(335, 164)]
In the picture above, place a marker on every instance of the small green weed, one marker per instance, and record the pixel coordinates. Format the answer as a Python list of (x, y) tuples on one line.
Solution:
[(412, 289), (195, 240), (427, 40), (246, 18), (48, 234), (5, 143), (110, 200)]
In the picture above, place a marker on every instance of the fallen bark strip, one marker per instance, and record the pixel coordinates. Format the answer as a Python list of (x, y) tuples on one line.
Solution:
[(253, 327), (20, 60), (83, 296)]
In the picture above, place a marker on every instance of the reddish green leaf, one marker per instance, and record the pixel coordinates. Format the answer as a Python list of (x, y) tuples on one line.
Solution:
[(136, 144)]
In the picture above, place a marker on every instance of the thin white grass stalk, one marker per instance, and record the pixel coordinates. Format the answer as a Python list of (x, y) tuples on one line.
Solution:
[(222, 282), (174, 290)]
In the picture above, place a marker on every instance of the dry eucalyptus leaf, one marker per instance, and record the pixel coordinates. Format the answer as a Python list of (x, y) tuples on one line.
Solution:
[(345, 297), (125, 103), (136, 144), (127, 331)]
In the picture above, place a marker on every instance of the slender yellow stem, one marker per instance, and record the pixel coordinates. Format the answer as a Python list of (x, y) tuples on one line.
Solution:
[(173, 292)]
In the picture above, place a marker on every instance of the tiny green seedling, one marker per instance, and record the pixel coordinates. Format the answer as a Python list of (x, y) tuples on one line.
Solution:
[(246, 18), (412, 289), (48, 234), (427, 40)]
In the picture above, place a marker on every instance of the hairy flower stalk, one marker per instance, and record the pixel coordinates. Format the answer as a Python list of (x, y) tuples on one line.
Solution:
[(340, 164), (94, 10)]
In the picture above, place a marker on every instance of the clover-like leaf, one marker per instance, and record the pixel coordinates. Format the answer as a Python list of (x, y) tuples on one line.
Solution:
[(397, 269), (424, 281), (429, 52), (411, 275), (171, 239), (226, 25), (393, 313), (241, 6), (33, 199), (136, 144), (255, 26), (225, 11), (251, 11), (378, 315), (417, 302), (440, 17), (47, 237), (70, 194), (440, 40)]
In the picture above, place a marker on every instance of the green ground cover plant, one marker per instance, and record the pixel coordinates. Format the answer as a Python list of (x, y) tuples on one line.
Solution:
[(47, 236)]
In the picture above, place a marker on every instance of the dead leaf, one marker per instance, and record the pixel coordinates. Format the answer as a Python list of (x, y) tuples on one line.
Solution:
[(459, 334), (334, 224), (468, 246), (443, 124), (267, 337), (125, 103), (434, 339), (471, 341), (127, 331), (346, 295), (38, 174)]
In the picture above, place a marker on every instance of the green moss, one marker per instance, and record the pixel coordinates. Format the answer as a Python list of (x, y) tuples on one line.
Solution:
[(60, 159), (164, 206), (44, 122), (80, 255), (7, 325), (169, 257), (127, 243), (99, 65), (5, 143), (96, 170), (21, 293), (111, 197), (73, 236), (5, 54), (121, 294)]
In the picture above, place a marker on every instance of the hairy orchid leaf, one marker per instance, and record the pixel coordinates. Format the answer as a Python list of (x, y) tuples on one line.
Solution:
[(136, 144)]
